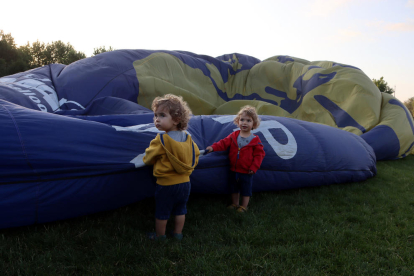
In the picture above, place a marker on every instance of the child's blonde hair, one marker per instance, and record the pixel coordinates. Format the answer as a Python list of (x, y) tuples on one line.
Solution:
[(251, 112), (177, 107)]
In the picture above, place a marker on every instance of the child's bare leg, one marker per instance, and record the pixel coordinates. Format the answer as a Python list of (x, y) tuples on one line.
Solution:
[(245, 201), (160, 225), (179, 224), (235, 198)]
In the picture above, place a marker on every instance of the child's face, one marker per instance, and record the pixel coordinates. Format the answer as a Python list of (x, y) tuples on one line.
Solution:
[(163, 120), (245, 123)]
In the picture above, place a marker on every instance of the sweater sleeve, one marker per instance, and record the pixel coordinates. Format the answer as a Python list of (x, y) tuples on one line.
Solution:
[(197, 154), (153, 152), (223, 144), (258, 155)]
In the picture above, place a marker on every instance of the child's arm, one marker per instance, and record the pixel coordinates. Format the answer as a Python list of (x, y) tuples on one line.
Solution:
[(197, 154), (153, 152), (221, 145)]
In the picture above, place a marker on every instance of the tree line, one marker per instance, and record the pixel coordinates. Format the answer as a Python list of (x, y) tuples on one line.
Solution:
[(15, 59)]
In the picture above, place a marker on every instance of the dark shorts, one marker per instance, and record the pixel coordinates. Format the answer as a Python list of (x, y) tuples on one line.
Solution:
[(241, 183), (171, 200)]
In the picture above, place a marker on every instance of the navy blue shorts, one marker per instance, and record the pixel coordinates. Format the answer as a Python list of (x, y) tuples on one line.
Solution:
[(171, 200), (241, 183)]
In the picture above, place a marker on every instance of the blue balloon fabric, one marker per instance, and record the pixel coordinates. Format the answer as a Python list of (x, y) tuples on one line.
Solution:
[(72, 137)]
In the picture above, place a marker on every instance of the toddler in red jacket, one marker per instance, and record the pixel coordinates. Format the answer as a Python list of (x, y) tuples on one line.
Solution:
[(246, 155)]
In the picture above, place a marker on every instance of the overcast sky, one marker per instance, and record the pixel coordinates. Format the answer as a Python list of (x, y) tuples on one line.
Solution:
[(376, 36)]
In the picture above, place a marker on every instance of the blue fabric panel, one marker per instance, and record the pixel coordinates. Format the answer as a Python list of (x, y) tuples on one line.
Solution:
[(342, 118), (387, 146), (69, 198), (246, 61), (108, 106), (79, 147), (14, 164), (104, 75), (118, 120), (18, 204), (214, 180), (39, 202), (284, 59), (294, 180), (302, 86)]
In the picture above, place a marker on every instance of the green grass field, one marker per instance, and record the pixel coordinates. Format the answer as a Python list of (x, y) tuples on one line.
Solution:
[(363, 228)]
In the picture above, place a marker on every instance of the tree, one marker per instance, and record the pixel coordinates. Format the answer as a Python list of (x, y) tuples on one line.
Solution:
[(410, 105), (37, 53), (383, 86), (56, 52), (59, 52), (8, 51), (15, 59), (3, 67), (101, 49), (12, 59)]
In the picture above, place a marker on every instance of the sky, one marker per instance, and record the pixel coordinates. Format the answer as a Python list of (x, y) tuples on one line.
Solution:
[(376, 36)]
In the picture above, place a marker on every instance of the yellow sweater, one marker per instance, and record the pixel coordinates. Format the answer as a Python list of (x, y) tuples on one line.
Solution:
[(173, 161)]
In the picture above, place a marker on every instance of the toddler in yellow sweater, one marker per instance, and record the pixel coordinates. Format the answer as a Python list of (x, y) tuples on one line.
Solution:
[(174, 156)]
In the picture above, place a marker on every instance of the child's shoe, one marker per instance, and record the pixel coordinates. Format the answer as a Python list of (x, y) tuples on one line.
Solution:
[(241, 209), (233, 206), (178, 237), (153, 236)]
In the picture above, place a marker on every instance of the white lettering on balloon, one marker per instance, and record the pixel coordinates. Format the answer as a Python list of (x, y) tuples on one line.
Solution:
[(28, 83), (286, 151)]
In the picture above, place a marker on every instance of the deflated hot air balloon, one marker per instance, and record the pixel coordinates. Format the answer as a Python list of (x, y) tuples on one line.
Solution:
[(72, 135)]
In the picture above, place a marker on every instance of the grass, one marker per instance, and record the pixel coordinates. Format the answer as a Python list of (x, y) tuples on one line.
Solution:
[(363, 228)]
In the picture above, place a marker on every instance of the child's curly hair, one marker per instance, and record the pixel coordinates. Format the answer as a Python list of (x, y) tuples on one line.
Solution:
[(249, 111), (177, 107)]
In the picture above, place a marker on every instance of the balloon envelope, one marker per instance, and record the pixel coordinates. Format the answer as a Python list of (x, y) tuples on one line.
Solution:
[(73, 134)]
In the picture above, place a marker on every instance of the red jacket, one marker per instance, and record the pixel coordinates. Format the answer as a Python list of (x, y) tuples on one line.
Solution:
[(242, 160)]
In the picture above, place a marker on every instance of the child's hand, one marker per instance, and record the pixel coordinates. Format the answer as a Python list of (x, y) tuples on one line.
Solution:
[(209, 149), (251, 172)]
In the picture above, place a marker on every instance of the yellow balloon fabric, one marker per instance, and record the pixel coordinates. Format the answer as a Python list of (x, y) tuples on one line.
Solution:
[(324, 92)]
